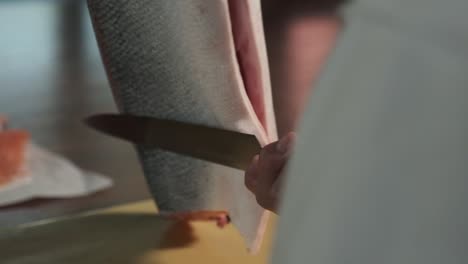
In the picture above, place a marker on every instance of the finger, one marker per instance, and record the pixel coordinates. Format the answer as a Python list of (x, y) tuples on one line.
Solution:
[(251, 174), (283, 146), (272, 160), (268, 174), (271, 200), (269, 167), (275, 194)]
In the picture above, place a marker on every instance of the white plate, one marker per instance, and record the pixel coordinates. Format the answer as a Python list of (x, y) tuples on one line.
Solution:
[(48, 175)]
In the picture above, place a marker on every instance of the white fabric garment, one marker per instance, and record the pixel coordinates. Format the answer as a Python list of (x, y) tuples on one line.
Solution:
[(381, 167)]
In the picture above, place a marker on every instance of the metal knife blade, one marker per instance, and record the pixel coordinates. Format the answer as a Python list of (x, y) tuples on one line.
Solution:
[(228, 148)]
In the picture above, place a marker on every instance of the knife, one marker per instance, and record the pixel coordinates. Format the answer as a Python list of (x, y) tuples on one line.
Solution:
[(228, 148)]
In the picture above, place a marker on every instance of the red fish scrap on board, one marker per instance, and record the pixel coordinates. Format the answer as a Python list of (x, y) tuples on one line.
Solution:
[(220, 217)]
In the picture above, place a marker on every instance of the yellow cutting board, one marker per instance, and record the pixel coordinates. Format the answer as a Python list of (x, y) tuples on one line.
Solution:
[(126, 234)]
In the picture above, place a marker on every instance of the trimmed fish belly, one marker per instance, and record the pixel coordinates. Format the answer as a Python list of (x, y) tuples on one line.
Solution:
[(196, 61)]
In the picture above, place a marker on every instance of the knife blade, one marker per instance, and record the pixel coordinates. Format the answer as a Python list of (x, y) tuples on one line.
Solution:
[(228, 148)]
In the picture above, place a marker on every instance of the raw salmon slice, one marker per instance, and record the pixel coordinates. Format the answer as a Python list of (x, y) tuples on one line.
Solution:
[(12, 153)]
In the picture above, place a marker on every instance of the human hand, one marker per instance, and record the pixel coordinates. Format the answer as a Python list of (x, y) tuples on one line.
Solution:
[(264, 176)]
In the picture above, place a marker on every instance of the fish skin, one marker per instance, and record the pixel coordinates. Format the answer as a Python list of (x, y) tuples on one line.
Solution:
[(176, 60)]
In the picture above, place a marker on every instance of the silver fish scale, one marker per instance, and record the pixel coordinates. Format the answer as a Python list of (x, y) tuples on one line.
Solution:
[(165, 79)]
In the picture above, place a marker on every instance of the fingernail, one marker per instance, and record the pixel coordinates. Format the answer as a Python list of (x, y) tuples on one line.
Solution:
[(254, 162), (285, 144)]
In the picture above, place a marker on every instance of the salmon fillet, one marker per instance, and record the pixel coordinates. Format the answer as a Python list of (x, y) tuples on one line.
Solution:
[(12, 154)]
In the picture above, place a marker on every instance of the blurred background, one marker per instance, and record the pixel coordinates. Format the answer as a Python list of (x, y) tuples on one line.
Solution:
[(51, 77)]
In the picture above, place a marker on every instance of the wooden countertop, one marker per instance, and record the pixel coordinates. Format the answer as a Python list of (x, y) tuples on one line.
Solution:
[(131, 233)]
